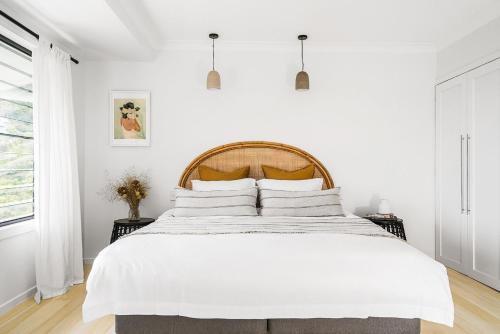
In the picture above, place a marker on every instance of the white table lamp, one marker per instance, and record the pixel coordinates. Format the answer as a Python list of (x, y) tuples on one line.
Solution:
[(384, 207)]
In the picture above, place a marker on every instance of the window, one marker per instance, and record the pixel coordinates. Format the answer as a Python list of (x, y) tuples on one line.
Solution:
[(16, 135)]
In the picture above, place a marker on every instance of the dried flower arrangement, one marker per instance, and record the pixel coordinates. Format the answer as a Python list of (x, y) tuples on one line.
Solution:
[(131, 188)]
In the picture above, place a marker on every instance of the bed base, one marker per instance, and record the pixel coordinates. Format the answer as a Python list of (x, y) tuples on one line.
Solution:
[(154, 324)]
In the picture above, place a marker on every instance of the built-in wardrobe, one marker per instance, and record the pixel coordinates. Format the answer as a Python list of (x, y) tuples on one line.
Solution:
[(468, 173)]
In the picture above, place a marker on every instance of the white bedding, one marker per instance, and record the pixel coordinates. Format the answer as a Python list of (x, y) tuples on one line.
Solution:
[(267, 275)]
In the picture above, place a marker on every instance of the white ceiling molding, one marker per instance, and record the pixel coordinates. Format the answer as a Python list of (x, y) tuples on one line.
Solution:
[(136, 20), (312, 46)]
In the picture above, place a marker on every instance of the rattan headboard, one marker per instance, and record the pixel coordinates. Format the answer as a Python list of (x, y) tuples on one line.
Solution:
[(254, 154)]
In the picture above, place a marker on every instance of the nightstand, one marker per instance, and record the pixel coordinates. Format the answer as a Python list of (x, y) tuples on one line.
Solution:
[(125, 226), (393, 225)]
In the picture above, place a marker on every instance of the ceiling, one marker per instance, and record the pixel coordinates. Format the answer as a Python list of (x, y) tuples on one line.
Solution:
[(137, 30)]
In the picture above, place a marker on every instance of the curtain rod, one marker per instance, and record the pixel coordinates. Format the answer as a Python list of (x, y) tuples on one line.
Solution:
[(29, 31)]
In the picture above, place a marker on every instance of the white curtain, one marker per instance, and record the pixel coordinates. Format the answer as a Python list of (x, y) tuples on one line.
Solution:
[(57, 200)]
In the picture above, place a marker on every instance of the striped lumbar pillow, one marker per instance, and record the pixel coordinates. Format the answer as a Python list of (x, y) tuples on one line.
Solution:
[(189, 203), (301, 203)]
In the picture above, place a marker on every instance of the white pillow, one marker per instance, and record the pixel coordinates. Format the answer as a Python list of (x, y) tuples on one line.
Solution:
[(240, 184), (291, 185)]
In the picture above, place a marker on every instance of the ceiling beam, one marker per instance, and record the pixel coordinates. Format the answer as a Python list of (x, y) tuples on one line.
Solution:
[(135, 18)]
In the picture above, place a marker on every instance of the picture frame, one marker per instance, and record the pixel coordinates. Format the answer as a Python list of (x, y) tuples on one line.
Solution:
[(129, 118)]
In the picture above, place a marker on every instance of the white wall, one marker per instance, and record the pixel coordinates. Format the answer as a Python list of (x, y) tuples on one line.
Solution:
[(369, 117), (478, 47), (17, 260)]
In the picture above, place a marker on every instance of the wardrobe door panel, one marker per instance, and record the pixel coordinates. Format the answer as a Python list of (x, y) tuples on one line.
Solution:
[(484, 174), (450, 158)]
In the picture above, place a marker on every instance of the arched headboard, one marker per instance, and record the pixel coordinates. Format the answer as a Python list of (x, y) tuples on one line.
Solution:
[(254, 154)]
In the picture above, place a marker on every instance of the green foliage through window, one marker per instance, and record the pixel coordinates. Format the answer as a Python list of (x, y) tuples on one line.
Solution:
[(16, 135)]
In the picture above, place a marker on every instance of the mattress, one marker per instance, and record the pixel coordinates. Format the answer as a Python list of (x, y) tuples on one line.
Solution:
[(267, 268)]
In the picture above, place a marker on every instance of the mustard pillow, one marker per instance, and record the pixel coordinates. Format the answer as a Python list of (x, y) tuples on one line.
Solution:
[(210, 174), (280, 174)]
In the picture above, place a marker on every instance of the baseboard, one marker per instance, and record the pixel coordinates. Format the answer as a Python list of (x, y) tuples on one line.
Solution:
[(89, 260), (8, 305)]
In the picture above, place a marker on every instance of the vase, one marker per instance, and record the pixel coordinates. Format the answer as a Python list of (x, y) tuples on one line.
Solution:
[(133, 214)]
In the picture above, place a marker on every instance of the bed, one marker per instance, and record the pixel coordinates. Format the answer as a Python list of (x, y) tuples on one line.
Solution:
[(260, 274)]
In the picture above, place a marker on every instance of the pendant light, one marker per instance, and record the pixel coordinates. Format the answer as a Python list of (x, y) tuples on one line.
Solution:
[(302, 79), (213, 78)]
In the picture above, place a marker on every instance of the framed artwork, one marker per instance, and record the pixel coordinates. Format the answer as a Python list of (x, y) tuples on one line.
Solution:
[(130, 118)]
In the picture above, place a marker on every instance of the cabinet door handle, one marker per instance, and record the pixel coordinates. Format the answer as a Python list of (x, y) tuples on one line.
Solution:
[(468, 174), (462, 210)]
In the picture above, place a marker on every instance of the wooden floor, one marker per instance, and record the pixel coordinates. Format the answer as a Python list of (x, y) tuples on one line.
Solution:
[(477, 311)]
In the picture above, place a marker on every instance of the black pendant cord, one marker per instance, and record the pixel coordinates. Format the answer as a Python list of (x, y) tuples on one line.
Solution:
[(29, 31), (302, 53), (213, 54)]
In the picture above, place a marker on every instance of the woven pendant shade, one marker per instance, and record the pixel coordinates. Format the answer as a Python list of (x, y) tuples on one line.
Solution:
[(302, 81), (213, 80)]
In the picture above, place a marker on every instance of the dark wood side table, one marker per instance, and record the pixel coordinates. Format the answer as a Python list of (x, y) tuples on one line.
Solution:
[(125, 226), (393, 225)]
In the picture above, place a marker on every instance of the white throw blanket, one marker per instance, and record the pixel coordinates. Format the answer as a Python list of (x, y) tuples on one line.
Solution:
[(252, 224), (196, 269)]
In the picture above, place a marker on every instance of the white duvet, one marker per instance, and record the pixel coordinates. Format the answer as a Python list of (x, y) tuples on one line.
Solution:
[(267, 275)]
